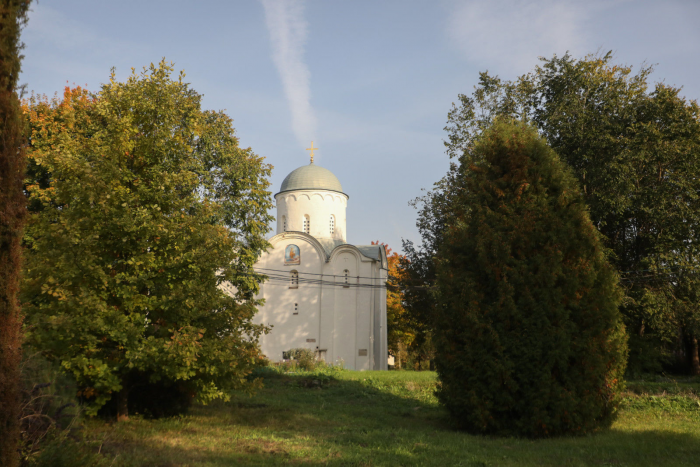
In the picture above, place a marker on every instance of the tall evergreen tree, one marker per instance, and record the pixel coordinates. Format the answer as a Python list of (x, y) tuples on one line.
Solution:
[(13, 15), (528, 335)]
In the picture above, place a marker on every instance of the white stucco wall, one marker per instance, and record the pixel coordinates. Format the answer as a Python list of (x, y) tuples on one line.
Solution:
[(318, 205), (341, 323), (345, 324)]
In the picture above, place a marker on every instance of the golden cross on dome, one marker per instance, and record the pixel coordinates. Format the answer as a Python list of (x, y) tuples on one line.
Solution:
[(312, 149)]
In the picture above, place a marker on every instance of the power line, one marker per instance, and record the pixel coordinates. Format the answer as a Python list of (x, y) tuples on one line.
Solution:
[(280, 276), (309, 273), (285, 280), (288, 271)]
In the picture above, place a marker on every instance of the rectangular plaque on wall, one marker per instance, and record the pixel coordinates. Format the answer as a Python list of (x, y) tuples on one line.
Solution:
[(362, 353), (310, 340)]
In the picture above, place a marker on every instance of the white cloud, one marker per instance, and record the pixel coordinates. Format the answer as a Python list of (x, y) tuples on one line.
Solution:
[(288, 31), (511, 34)]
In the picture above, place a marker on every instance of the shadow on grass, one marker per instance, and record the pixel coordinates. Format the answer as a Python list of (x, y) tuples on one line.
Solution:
[(295, 420)]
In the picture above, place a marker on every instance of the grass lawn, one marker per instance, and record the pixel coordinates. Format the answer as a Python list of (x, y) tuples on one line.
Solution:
[(392, 418)]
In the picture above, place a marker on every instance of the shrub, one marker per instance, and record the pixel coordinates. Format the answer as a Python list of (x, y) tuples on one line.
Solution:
[(305, 358), (49, 403), (529, 340), (62, 450)]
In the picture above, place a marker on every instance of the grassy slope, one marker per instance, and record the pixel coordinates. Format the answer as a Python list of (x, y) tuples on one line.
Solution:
[(391, 418)]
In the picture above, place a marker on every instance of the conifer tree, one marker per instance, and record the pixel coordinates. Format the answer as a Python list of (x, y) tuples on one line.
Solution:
[(528, 335), (13, 14)]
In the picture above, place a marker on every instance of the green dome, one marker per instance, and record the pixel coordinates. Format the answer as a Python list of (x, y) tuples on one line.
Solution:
[(311, 177)]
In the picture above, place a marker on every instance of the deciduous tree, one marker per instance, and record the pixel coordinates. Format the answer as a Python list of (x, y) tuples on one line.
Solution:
[(142, 204), (400, 326)]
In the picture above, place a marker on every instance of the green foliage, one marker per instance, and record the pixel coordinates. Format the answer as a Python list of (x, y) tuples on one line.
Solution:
[(62, 450), (529, 340), (142, 205), (662, 385), (668, 405), (417, 270), (634, 153), (49, 403), (401, 327), (52, 432), (13, 16), (304, 358)]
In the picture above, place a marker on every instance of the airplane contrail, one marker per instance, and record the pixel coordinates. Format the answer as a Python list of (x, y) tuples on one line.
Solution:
[(288, 30)]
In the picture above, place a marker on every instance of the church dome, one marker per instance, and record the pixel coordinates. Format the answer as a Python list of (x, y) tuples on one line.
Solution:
[(311, 177)]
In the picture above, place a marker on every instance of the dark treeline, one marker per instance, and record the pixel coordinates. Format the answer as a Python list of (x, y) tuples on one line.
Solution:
[(634, 150)]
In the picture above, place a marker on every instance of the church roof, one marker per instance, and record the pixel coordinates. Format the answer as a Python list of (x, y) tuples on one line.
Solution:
[(329, 244), (311, 177), (371, 251)]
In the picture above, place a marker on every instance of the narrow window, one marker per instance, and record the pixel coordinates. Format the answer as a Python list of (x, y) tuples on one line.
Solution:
[(307, 224), (284, 223), (346, 274), (332, 224), (296, 309), (294, 280)]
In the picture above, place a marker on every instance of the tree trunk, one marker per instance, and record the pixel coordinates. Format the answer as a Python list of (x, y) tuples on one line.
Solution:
[(12, 214), (123, 404), (694, 357), (10, 354)]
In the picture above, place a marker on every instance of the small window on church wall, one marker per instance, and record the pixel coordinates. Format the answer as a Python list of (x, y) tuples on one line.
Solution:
[(284, 223), (307, 224), (294, 280), (346, 275), (332, 224)]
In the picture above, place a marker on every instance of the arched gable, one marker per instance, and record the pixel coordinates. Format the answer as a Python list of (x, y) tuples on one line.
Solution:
[(337, 252), (294, 235), (346, 247), (353, 250)]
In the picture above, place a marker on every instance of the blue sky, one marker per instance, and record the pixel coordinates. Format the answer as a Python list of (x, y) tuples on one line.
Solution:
[(370, 82)]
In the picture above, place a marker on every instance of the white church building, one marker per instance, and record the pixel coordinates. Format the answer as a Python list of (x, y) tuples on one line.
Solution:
[(323, 293)]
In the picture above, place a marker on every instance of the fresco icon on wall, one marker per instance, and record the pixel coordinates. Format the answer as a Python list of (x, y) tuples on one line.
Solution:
[(291, 255)]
